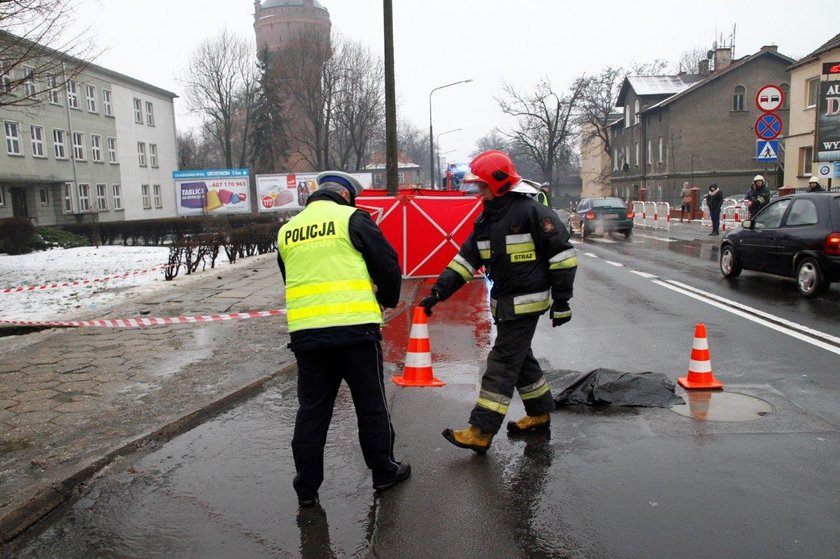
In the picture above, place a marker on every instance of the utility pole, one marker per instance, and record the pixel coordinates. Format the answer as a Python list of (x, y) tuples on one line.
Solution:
[(390, 102)]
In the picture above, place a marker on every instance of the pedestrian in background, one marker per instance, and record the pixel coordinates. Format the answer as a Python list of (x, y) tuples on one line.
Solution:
[(338, 269), (685, 201), (525, 250), (757, 196), (714, 201), (814, 185)]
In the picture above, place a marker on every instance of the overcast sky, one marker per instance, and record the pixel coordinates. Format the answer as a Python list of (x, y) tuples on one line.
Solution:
[(490, 41)]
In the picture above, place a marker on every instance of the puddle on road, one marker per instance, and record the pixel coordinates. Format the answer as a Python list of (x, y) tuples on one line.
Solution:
[(716, 405)]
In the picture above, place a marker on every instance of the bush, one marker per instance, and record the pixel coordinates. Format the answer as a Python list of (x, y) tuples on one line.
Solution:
[(16, 234), (51, 237)]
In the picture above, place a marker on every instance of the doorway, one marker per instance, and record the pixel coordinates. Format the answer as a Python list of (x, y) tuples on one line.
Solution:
[(19, 207)]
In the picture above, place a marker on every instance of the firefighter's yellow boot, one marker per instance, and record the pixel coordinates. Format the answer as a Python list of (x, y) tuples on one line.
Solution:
[(529, 424), (472, 438)]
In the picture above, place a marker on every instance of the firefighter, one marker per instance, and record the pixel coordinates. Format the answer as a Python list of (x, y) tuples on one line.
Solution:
[(757, 196), (814, 184), (338, 269), (525, 251)]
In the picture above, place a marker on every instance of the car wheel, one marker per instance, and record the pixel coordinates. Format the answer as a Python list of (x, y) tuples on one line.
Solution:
[(729, 266), (809, 278), (628, 233), (584, 230)]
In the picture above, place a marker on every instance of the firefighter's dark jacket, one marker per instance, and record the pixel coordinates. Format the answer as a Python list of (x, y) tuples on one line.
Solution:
[(383, 267), (525, 250)]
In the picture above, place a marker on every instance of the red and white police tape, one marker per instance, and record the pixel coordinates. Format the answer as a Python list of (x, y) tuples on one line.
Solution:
[(83, 282), (142, 322)]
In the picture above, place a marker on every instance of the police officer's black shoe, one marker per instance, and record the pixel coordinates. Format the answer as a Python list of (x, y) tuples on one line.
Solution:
[(403, 473), (308, 501)]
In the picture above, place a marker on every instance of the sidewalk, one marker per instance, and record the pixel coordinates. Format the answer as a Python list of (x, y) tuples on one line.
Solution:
[(72, 400)]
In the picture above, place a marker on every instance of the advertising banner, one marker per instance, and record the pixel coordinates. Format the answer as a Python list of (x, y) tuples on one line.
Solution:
[(290, 191), (828, 122), (212, 191)]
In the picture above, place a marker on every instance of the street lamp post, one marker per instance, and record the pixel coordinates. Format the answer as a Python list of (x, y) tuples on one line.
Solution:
[(431, 133), (437, 142)]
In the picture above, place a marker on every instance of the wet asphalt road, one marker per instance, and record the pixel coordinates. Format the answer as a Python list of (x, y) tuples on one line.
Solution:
[(608, 482)]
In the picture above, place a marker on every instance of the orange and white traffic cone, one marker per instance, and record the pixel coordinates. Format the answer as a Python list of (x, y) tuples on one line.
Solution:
[(418, 359), (700, 366)]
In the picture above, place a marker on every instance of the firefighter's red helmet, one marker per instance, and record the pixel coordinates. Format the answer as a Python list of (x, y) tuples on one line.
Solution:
[(495, 169)]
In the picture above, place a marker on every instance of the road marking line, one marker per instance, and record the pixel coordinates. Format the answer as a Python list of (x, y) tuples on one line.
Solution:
[(757, 320), (644, 274), (592, 255), (617, 264), (665, 239), (768, 316), (603, 240)]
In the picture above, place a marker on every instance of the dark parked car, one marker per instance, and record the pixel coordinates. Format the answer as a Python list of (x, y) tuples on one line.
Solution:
[(601, 215), (796, 236)]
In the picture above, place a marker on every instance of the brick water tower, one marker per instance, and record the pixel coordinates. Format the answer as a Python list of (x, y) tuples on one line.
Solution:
[(285, 27)]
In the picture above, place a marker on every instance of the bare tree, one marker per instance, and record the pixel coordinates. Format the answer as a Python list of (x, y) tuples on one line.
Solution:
[(195, 152), (497, 140), (689, 60), (597, 103), (360, 104), (656, 68), (544, 123), (220, 85), (38, 51)]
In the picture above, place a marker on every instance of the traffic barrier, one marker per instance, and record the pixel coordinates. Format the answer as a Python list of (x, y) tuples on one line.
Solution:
[(54, 285), (700, 365), (143, 322), (663, 216), (418, 360), (638, 214), (650, 215)]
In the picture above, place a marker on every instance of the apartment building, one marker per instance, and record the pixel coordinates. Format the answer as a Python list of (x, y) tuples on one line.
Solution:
[(94, 146)]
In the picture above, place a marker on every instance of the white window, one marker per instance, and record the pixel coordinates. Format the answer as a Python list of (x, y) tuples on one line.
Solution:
[(156, 193), (150, 114), (52, 86), (636, 146), (58, 144), (117, 196), (101, 197), (72, 95), (37, 134), (661, 153), (153, 160), (112, 150), (626, 157), (627, 122), (615, 159), (738, 98), (141, 154), (637, 117), (106, 102), (813, 92), (91, 98), (2, 197), (44, 196), (84, 198), (138, 111), (806, 158), (68, 198), (78, 146), (29, 81), (96, 147), (5, 78), (650, 152), (144, 191), (12, 138)]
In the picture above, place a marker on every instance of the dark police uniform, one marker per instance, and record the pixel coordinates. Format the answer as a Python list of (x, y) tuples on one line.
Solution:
[(338, 268)]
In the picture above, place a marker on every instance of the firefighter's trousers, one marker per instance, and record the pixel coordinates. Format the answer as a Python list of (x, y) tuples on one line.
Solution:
[(511, 365)]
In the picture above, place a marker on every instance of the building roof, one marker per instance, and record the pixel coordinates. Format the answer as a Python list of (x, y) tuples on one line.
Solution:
[(656, 85), (288, 3), (831, 44), (765, 51)]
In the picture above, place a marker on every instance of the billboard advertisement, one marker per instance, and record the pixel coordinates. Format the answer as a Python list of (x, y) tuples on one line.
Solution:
[(290, 191), (828, 123), (212, 191)]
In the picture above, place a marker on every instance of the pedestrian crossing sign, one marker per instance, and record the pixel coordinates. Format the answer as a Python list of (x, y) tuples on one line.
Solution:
[(767, 150)]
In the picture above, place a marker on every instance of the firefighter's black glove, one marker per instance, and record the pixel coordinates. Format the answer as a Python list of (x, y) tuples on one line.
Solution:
[(560, 312), (430, 301)]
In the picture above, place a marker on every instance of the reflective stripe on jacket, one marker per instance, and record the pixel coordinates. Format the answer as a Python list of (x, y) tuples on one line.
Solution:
[(327, 281)]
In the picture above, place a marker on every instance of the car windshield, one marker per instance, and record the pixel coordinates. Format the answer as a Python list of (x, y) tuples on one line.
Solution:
[(616, 203)]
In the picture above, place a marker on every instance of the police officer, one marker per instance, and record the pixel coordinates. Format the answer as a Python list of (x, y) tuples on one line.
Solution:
[(525, 251), (338, 269), (814, 185), (758, 196)]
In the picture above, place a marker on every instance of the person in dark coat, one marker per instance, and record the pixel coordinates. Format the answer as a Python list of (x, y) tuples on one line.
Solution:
[(814, 185), (714, 201), (758, 196)]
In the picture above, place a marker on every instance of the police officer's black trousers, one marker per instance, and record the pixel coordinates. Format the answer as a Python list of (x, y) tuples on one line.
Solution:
[(510, 365), (319, 376)]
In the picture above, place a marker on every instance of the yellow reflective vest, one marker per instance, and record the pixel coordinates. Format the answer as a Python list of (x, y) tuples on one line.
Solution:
[(327, 281)]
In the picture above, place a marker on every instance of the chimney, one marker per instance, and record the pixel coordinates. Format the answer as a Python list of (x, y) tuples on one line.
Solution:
[(723, 57), (771, 48), (703, 67)]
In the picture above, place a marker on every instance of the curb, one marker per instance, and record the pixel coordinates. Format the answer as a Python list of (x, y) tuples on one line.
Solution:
[(17, 521)]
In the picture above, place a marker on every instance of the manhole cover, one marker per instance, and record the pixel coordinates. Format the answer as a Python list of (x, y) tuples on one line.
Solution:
[(715, 405)]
